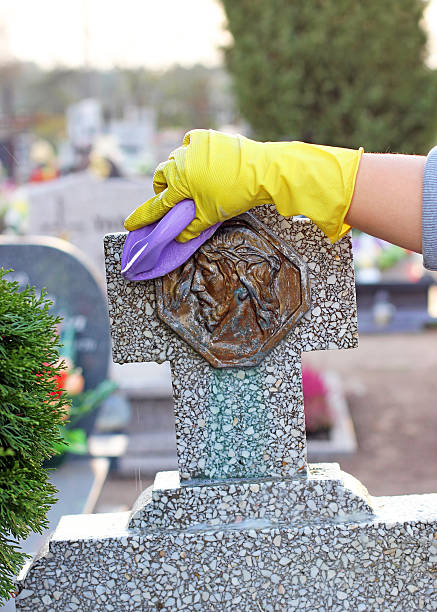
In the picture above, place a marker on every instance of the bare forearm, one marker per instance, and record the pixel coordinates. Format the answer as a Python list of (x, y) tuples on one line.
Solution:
[(387, 200)]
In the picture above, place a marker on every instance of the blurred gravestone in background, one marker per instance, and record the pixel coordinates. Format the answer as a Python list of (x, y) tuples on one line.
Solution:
[(78, 297), (81, 208), (75, 291)]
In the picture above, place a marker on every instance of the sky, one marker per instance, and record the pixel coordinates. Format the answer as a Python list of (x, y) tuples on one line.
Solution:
[(152, 33)]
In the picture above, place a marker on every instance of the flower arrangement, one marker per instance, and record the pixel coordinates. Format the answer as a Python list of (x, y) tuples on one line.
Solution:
[(14, 208), (318, 417), (376, 260), (70, 382)]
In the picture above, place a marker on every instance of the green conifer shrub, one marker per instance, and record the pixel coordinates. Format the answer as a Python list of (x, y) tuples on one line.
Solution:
[(30, 414), (339, 72)]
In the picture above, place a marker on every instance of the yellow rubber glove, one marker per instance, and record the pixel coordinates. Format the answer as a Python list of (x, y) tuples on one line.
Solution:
[(226, 175)]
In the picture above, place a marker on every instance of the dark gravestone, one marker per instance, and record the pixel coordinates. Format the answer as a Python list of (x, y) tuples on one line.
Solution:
[(74, 289), (391, 307)]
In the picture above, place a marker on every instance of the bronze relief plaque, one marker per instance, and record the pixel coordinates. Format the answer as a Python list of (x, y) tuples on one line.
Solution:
[(237, 296)]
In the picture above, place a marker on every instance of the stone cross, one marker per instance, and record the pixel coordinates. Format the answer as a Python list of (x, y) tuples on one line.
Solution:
[(245, 417), (244, 524)]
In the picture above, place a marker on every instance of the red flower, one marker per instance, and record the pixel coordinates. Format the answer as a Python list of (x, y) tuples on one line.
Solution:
[(60, 380)]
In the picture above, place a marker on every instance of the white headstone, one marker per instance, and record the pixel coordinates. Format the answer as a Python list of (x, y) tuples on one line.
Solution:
[(81, 208), (84, 122)]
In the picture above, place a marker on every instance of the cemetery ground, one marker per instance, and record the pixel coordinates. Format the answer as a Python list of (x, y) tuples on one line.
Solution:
[(391, 389)]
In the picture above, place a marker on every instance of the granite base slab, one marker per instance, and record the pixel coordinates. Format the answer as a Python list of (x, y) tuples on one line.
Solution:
[(97, 563), (325, 492)]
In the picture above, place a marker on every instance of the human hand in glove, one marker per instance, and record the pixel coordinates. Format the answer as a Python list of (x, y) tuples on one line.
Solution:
[(227, 175)]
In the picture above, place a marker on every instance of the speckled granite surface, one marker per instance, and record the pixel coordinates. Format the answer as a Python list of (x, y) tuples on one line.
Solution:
[(325, 493), (386, 562), (245, 524), (240, 423)]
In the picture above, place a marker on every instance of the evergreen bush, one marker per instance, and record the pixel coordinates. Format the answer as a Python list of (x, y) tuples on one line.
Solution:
[(31, 411), (340, 72)]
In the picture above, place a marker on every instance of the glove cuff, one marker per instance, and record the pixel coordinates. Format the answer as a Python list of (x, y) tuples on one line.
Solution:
[(315, 181)]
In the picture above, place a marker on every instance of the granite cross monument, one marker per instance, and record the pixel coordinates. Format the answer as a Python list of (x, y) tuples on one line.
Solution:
[(245, 524)]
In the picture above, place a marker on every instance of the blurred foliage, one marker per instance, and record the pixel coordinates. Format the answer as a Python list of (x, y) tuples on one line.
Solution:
[(180, 105), (74, 439), (340, 72), (183, 97), (51, 128)]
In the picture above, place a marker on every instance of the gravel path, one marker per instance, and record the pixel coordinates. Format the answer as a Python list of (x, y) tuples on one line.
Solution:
[(391, 385)]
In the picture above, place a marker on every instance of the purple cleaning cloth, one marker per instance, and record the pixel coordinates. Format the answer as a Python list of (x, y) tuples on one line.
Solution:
[(152, 251)]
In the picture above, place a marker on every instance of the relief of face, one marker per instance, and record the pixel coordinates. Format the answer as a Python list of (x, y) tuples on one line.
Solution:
[(211, 289), (230, 299)]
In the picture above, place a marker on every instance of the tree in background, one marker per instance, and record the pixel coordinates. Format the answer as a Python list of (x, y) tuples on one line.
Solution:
[(184, 97), (339, 72)]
